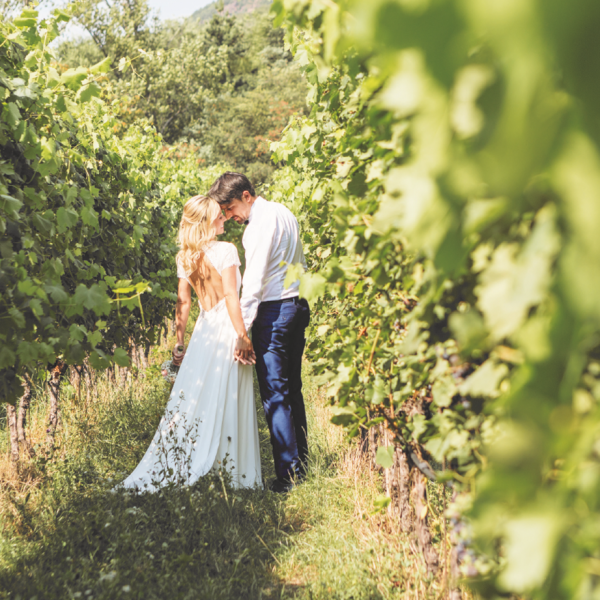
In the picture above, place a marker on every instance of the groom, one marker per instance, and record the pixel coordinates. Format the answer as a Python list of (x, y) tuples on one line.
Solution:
[(277, 316)]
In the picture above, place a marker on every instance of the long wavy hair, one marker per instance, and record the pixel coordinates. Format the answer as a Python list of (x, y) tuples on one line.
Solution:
[(196, 230)]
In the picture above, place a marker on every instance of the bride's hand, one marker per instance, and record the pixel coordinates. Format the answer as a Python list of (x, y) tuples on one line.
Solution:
[(178, 354), (244, 351)]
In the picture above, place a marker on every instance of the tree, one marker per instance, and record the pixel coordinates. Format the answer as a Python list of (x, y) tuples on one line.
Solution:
[(117, 27), (226, 87)]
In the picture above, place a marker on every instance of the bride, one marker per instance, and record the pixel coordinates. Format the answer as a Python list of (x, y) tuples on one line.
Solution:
[(210, 420)]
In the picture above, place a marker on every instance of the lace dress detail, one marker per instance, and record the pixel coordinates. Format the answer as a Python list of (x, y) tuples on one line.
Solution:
[(210, 419)]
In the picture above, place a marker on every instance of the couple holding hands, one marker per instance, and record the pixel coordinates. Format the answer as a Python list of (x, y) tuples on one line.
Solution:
[(213, 392)]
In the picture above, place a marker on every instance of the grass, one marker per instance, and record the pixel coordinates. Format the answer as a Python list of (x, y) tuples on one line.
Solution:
[(64, 534)]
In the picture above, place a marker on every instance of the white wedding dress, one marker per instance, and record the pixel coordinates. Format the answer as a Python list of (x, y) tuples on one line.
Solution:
[(210, 420)]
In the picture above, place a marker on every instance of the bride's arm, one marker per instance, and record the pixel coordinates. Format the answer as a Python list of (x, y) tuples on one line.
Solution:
[(182, 312), (244, 348)]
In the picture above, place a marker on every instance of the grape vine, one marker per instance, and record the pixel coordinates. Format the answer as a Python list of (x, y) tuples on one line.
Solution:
[(88, 211), (447, 182)]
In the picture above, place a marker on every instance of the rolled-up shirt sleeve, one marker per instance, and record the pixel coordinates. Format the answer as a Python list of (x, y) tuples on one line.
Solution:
[(257, 246)]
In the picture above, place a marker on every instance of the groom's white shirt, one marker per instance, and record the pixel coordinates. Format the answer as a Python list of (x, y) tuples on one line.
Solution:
[(272, 237)]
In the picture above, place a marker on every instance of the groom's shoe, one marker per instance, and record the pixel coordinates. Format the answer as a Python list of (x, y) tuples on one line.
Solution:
[(281, 486)]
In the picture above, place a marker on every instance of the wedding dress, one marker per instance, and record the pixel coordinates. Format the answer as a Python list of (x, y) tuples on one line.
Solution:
[(210, 419)]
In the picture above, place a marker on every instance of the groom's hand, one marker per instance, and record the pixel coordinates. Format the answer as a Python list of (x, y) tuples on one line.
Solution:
[(244, 351), (245, 359)]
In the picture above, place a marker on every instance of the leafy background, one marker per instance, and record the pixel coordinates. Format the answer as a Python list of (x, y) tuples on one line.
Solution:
[(445, 173)]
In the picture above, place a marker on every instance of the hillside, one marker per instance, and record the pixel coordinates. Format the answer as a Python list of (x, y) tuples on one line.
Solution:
[(233, 7)]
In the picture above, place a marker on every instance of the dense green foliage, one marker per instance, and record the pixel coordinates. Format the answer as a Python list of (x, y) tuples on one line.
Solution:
[(448, 180), (226, 87), (85, 214)]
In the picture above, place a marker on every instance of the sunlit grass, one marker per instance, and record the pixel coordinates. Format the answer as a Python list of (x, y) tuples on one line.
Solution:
[(64, 534)]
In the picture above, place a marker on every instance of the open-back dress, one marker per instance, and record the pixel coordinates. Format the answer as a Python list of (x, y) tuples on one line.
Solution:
[(210, 419)]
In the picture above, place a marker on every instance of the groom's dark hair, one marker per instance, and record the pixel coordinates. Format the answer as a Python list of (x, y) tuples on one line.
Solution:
[(230, 186)]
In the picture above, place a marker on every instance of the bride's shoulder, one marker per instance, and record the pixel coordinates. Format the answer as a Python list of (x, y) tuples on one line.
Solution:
[(222, 255), (224, 250), (225, 246)]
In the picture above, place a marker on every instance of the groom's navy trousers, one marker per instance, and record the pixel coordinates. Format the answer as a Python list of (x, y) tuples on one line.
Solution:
[(278, 339)]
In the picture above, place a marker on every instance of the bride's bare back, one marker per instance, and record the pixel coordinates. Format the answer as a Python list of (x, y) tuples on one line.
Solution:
[(207, 278), (216, 280), (207, 283)]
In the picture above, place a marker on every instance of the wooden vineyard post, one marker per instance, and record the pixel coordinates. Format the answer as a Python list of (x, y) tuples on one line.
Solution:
[(372, 446), (54, 386), (90, 382), (75, 374), (387, 473), (16, 422), (403, 490), (137, 352), (424, 537), (110, 374), (144, 356), (405, 481), (22, 416), (11, 418), (123, 371)]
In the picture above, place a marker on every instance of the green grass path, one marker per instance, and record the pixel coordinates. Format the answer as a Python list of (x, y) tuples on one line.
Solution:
[(68, 536)]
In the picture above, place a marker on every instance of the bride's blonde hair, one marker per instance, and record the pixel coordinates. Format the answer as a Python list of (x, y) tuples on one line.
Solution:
[(196, 230)]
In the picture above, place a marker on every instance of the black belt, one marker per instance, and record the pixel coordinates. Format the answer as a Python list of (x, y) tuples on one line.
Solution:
[(294, 299)]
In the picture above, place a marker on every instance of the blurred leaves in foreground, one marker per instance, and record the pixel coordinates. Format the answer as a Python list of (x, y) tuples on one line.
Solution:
[(448, 182)]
